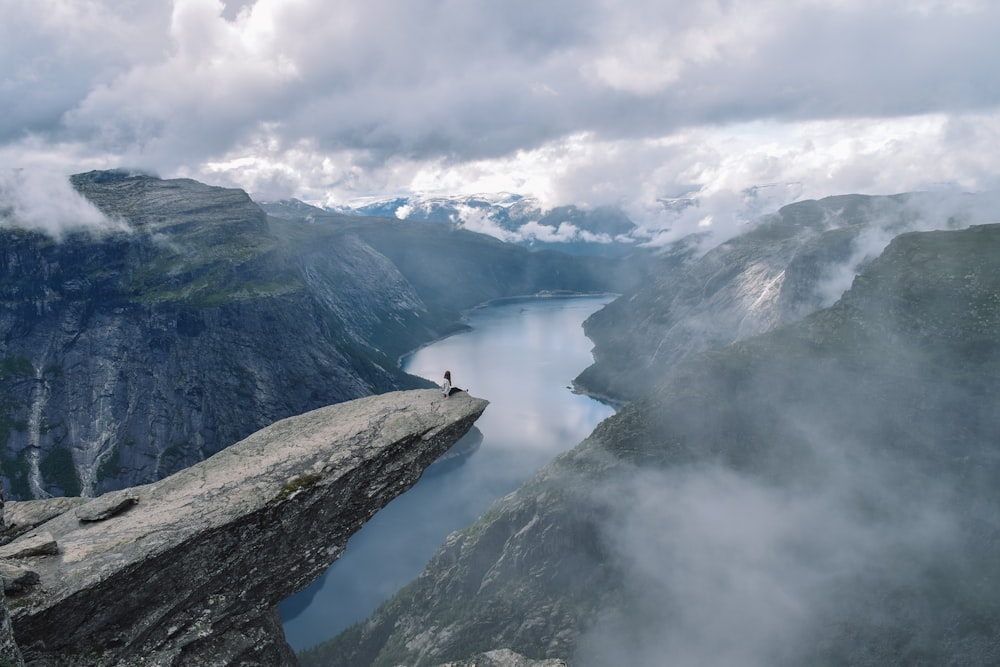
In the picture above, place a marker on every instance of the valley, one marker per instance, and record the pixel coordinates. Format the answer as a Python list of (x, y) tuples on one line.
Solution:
[(802, 468)]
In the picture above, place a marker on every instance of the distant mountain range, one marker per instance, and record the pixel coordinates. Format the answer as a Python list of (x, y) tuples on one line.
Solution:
[(607, 230), (514, 218)]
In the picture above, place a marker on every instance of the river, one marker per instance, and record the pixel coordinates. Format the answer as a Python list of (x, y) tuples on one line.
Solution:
[(521, 356)]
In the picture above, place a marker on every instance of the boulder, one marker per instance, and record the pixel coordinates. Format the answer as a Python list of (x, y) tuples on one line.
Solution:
[(22, 516), (36, 544), (106, 506)]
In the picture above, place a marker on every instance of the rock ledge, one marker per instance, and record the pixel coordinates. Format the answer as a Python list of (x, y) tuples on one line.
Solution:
[(189, 570)]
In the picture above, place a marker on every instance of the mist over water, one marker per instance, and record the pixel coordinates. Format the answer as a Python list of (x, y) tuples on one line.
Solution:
[(521, 356)]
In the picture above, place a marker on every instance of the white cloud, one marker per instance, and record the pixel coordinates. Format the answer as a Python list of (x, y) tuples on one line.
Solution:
[(44, 201), (477, 220), (586, 102), (721, 568)]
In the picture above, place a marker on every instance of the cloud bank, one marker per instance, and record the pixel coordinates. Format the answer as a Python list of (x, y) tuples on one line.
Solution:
[(725, 569), (45, 201), (583, 102)]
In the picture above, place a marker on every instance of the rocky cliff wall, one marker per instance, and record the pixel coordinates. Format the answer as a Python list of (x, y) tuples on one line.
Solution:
[(128, 355), (786, 266), (189, 570)]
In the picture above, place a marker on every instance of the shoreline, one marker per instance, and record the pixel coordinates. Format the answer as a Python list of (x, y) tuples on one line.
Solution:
[(612, 403)]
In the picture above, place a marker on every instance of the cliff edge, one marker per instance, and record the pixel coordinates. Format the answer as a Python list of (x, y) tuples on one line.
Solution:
[(189, 570)]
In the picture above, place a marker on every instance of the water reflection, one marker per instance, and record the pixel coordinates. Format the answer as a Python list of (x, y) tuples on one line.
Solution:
[(521, 357)]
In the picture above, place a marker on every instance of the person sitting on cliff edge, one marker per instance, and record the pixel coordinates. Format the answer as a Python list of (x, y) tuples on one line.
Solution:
[(447, 389)]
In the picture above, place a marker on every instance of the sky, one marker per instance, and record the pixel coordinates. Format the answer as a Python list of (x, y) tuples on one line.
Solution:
[(741, 105)]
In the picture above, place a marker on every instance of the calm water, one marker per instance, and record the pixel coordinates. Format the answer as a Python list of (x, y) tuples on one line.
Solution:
[(521, 357)]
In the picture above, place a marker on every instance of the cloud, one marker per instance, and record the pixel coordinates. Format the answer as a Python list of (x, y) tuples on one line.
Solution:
[(55, 52), (478, 220), (922, 211), (46, 202), (723, 568), (584, 102)]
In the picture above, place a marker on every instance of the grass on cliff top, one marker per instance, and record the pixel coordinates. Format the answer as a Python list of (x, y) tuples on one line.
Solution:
[(246, 266)]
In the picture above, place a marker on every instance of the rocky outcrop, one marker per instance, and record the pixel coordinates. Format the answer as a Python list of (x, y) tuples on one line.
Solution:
[(189, 570), (504, 658), (822, 494), (10, 654)]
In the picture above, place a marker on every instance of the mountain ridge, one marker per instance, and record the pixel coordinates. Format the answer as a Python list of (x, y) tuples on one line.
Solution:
[(784, 267), (514, 218)]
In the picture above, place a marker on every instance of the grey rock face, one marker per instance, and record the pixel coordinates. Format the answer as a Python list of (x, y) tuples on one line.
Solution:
[(189, 570), (106, 506), (16, 578), (9, 650), (504, 658), (40, 543), (788, 265), (21, 516), (128, 356)]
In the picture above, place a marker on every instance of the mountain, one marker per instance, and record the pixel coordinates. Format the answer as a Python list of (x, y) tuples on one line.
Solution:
[(785, 266), (824, 493), (456, 269), (602, 230), (128, 355)]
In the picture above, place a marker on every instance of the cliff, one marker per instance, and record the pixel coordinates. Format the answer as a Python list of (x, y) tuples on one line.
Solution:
[(127, 355), (189, 570), (782, 268), (822, 494)]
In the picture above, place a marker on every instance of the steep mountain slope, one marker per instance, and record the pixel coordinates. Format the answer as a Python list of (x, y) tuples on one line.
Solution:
[(455, 268), (784, 267), (822, 494), (125, 356)]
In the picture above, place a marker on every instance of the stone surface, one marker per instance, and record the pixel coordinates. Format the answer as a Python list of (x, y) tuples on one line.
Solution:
[(192, 573), (35, 544), (106, 506), (10, 654), (16, 578), (22, 516), (504, 658)]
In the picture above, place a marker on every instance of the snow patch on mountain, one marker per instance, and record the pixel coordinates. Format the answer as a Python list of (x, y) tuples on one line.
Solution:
[(523, 219)]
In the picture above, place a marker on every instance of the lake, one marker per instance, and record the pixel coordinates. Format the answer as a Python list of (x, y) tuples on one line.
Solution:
[(522, 357)]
